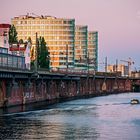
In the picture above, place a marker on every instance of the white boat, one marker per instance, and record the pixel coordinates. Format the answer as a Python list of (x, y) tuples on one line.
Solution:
[(135, 101)]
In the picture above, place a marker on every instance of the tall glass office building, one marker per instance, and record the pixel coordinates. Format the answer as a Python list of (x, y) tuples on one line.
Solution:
[(81, 40), (93, 50), (58, 34), (69, 46)]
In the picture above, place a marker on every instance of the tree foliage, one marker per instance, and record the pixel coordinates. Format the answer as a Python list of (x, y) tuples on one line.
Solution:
[(13, 35), (30, 40), (43, 54), (21, 41)]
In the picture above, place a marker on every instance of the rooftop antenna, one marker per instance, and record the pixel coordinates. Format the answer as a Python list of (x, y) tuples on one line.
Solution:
[(35, 14)]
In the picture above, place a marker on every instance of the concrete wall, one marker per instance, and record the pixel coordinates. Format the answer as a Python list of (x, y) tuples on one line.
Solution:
[(24, 91)]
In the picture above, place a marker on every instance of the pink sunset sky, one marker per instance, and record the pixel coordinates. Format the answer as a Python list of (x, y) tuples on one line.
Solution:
[(117, 21)]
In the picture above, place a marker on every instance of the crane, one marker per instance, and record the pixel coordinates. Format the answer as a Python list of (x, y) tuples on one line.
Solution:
[(129, 62)]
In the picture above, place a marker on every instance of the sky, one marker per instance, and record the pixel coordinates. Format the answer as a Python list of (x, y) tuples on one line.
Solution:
[(117, 22)]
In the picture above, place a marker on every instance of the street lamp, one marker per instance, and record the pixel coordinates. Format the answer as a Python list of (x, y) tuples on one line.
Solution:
[(52, 60), (36, 55), (48, 60), (88, 62), (93, 63), (67, 57), (106, 64)]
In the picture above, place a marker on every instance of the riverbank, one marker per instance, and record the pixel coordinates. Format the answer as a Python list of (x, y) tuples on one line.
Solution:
[(49, 103)]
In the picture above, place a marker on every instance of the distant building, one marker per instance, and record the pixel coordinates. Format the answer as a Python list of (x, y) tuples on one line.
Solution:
[(93, 50), (135, 74), (12, 57), (11, 61), (22, 50), (81, 40), (119, 68), (4, 36)]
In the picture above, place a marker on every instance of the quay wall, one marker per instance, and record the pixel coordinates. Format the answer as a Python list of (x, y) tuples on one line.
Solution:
[(25, 88)]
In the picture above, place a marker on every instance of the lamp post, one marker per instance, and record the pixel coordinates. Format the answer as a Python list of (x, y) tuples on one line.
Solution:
[(53, 60), (36, 54), (88, 62), (116, 65), (105, 64), (94, 64), (67, 63), (48, 59)]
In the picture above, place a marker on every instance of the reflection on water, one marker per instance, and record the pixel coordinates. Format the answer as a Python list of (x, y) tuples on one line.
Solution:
[(101, 118)]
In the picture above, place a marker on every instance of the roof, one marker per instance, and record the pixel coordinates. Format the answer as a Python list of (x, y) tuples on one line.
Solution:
[(5, 25), (16, 47)]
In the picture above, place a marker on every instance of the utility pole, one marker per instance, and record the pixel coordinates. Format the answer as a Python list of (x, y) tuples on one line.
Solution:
[(105, 64), (67, 61), (94, 65), (88, 62), (53, 60), (116, 65), (36, 54)]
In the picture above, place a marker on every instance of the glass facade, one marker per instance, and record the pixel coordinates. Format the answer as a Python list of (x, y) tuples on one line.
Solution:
[(11, 61), (93, 50), (3, 50), (69, 46), (58, 34), (81, 47)]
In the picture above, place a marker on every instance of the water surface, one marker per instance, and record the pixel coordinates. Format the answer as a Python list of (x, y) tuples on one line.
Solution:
[(102, 118)]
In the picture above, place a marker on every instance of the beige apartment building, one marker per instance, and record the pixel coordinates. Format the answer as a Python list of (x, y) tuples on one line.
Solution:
[(69, 46), (58, 34), (123, 69)]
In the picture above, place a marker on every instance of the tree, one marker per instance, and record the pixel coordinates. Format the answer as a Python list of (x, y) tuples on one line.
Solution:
[(21, 41), (30, 40), (43, 54), (13, 35)]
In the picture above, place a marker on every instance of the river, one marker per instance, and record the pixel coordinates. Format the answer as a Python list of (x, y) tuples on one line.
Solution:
[(101, 118)]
